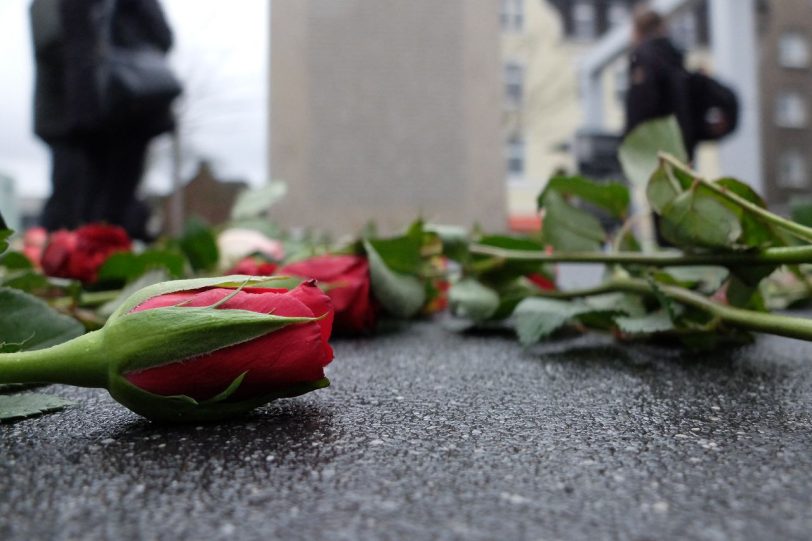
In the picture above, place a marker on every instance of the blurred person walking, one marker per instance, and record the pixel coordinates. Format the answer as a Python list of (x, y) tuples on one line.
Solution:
[(660, 86), (658, 81), (103, 90)]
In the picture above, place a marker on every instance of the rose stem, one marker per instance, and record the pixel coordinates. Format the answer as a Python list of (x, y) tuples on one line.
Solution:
[(792, 327), (772, 256), (80, 361)]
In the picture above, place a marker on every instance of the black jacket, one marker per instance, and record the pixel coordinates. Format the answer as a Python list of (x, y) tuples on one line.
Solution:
[(66, 35), (659, 87)]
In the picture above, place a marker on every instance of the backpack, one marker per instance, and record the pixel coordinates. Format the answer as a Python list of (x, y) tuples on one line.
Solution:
[(714, 107)]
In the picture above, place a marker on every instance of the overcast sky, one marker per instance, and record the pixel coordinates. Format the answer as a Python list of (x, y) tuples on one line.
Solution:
[(221, 53)]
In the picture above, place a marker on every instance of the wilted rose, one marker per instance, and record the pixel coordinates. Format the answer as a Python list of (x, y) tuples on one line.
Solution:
[(346, 279), (79, 254)]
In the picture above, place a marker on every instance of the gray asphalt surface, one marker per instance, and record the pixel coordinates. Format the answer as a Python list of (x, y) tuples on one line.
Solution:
[(427, 434)]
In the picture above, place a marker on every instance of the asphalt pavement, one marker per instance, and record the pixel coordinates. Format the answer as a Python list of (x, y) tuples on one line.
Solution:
[(428, 434)]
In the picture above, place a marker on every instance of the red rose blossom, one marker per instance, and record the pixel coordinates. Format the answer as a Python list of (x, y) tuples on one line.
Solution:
[(253, 266), (79, 254), (34, 241), (346, 278), (438, 299), (291, 355), (541, 281)]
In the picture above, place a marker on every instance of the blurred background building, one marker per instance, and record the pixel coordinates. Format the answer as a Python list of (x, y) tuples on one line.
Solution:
[(786, 86), (456, 110)]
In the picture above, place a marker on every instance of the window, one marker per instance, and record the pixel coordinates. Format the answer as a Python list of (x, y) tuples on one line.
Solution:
[(511, 15), (792, 170), (793, 50), (616, 14), (514, 154), (790, 110), (583, 20), (514, 83)]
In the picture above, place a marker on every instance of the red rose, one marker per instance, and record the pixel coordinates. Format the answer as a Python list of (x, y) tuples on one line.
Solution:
[(541, 281), (292, 355), (346, 278), (34, 241), (79, 254), (439, 287), (253, 266)]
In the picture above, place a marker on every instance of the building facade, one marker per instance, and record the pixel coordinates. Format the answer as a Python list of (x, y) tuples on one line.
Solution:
[(542, 42), (786, 89), (385, 110)]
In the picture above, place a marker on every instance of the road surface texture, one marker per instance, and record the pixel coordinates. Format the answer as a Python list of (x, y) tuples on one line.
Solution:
[(427, 434)]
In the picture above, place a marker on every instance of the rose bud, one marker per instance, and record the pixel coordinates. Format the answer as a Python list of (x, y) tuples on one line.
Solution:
[(80, 254), (195, 350), (346, 280)]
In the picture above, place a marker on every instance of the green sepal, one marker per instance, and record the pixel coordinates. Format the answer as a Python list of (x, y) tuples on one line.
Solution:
[(4, 235), (183, 409), (230, 390), (401, 295), (174, 286), (154, 337)]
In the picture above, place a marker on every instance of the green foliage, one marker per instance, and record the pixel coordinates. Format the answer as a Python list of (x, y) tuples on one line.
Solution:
[(454, 240), (19, 273), (4, 236), (15, 261), (254, 203), (28, 323), (755, 232), (704, 278), (697, 219), (537, 318), (470, 299), (127, 266), (696, 216), (401, 295), (29, 281), (612, 197), (22, 406), (200, 245), (655, 322), (801, 210), (400, 254), (639, 151), (501, 273), (570, 229)]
